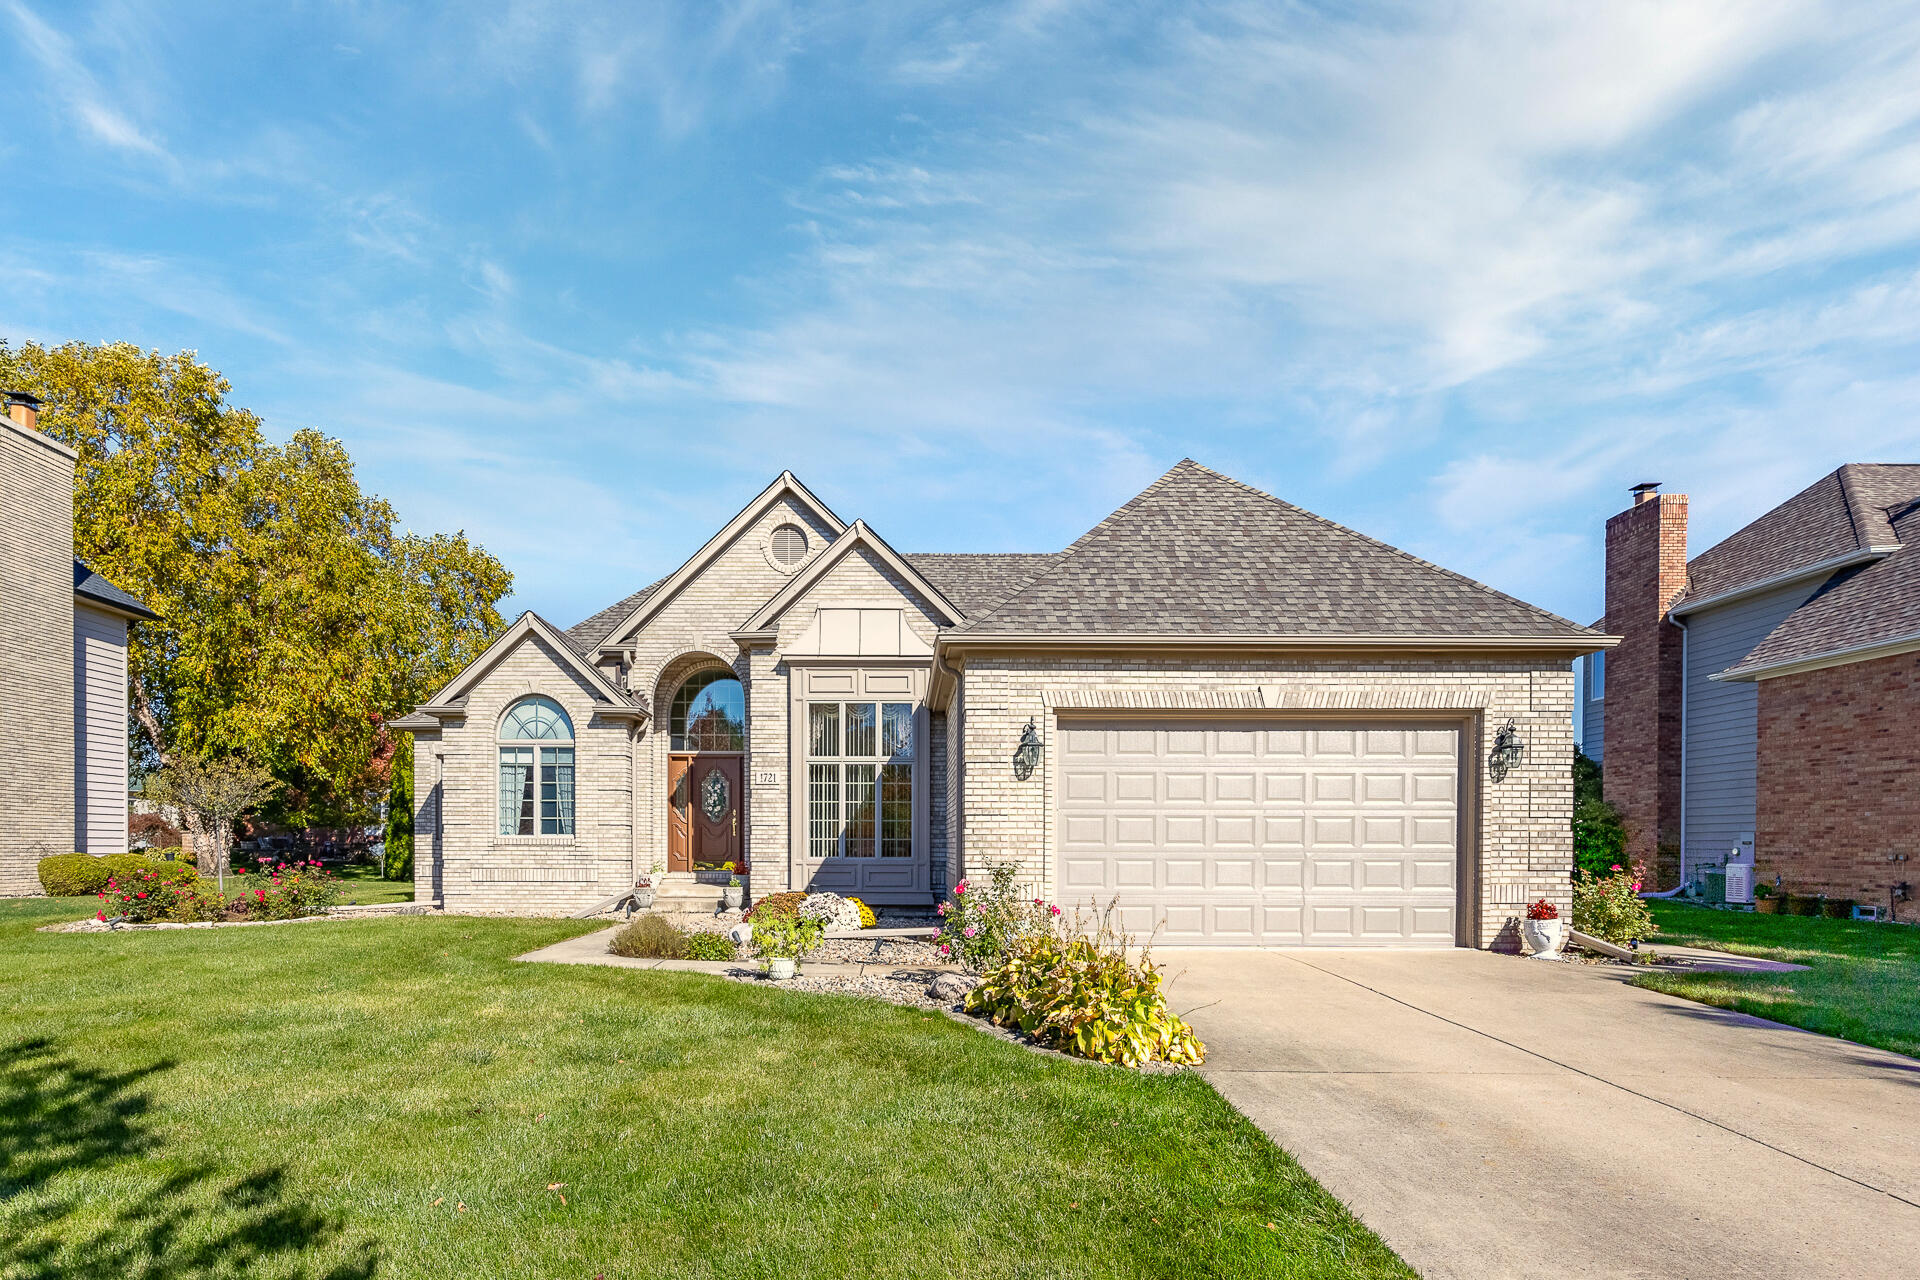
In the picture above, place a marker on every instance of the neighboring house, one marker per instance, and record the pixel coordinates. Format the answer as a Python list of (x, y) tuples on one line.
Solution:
[(1248, 724), (1764, 694), (63, 666)]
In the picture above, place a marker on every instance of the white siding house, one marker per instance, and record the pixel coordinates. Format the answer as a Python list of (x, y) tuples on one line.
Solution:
[(99, 731)]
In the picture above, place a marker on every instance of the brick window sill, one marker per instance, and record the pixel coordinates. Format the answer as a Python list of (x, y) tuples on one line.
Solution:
[(535, 842)]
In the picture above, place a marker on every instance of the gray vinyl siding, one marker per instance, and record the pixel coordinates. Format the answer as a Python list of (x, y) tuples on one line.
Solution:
[(1593, 708), (1722, 720), (100, 732), (1593, 711)]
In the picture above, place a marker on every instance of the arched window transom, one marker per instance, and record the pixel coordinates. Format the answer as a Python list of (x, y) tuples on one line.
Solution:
[(709, 713), (536, 769)]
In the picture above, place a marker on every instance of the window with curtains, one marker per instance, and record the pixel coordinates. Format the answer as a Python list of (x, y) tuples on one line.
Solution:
[(860, 779), (536, 769)]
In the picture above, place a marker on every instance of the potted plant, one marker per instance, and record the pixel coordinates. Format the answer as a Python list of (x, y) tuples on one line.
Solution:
[(1766, 901), (782, 941), (643, 888), (1544, 930), (735, 891)]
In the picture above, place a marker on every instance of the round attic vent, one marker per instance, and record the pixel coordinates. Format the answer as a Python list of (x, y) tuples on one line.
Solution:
[(789, 544)]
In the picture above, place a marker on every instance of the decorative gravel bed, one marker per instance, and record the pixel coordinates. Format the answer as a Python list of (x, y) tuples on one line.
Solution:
[(877, 951), (896, 987)]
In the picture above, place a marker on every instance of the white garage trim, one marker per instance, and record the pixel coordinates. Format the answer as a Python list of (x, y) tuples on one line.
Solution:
[(1265, 697), (1263, 830)]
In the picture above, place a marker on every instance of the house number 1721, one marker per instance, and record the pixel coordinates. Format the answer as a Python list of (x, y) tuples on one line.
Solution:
[(766, 777)]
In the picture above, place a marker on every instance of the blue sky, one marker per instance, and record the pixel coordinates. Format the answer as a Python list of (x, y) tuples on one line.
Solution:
[(582, 278)]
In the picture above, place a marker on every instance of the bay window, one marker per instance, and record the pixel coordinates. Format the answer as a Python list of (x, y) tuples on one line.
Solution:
[(860, 779)]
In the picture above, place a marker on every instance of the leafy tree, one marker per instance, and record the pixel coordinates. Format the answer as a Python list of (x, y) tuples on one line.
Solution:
[(296, 619), (1599, 832), (398, 862), (213, 791)]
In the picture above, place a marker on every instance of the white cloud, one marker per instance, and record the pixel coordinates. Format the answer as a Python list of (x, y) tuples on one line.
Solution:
[(63, 74)]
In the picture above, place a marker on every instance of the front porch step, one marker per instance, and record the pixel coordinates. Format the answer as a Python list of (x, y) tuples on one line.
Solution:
[(687, 896)]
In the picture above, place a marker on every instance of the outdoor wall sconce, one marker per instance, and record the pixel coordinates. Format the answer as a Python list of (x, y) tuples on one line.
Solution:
[(1027, 754), (1506, 752)]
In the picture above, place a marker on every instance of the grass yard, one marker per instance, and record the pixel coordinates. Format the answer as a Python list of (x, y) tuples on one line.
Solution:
[(395, 1097), (1863, 984), (364, 886)]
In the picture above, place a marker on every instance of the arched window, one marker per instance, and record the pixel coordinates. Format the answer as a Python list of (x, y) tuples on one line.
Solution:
[(709, 714), (536, 769)]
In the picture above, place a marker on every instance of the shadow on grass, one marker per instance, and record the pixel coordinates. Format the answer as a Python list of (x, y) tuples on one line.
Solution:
[(59, 1117)]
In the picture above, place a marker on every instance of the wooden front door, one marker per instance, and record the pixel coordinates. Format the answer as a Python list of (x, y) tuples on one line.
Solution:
[(703, 816)]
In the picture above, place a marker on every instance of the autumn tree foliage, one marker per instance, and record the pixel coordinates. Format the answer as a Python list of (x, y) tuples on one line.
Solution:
[(297, 617)]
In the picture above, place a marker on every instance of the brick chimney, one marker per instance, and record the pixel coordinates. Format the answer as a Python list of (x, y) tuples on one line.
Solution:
[(23, 408), (1646, 572)]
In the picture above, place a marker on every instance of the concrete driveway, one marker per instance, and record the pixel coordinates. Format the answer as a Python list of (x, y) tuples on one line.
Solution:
[(1490, 1116)]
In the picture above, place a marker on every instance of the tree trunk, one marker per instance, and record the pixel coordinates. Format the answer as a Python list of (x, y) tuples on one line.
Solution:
[(143, 715)]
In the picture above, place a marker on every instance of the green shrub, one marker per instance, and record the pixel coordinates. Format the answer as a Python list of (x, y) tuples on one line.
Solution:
[(1801, 904), (73, 875), (1610, 907), (786, 937), (397, 860), (193, 901), (711, 946), (776, 904), (1081, 994), (288, 891), (650, 938), (128, 865), (980, 924)]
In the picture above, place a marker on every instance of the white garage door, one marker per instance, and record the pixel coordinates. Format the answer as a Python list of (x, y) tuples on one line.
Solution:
[(1223, 833)]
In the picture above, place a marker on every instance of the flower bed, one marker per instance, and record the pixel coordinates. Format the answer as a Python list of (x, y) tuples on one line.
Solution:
[(283, 891)]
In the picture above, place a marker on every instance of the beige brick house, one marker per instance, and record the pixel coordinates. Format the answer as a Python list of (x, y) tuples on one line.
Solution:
[(1248, 725), (63, 666)]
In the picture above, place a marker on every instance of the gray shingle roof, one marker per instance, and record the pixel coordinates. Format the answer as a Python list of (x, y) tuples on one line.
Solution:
[(586, 636), (1841, 513), (91, 586), (976, 581), (1200, 554), (1855, 609)]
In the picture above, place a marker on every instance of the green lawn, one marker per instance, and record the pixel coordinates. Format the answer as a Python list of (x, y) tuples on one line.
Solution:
[(394, 1097), (1863, 984), (364, 886)]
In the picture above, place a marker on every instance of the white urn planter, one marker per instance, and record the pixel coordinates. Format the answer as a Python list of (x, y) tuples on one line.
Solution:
[(1544, 937), (731, 895), (643, 898), (781, 968)]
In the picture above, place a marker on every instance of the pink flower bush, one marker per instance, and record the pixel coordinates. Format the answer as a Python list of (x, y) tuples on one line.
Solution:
[(981, 922)]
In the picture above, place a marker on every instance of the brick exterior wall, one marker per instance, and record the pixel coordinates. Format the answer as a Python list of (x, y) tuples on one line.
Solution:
[(1516, 839), (692, 631), (1646, 572), (1837, 761), (459, 852), (36, 639), (1517, 842)]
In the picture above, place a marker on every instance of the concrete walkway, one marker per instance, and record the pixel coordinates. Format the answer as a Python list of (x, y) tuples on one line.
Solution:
[(1497, 1117)]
